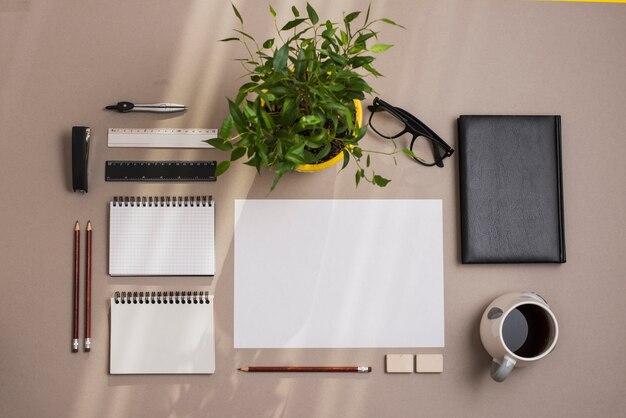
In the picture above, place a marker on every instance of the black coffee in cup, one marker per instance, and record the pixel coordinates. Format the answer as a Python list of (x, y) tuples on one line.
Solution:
[(527, 330)]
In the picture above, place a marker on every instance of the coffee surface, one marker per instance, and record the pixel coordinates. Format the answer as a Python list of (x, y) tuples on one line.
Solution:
[(526, 330)]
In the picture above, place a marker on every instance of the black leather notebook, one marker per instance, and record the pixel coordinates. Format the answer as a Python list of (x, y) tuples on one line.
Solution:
[(511, 189)]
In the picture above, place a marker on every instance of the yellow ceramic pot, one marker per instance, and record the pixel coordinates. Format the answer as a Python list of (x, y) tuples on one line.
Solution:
[(312, 168)]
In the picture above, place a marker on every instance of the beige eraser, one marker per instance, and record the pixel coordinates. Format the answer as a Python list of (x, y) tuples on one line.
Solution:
[(429, 363), (399, 363)]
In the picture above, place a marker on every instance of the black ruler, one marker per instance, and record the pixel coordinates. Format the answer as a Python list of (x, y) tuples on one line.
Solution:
[(157, 171)]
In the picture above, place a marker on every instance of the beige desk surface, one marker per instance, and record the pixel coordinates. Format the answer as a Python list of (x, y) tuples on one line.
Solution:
[(62, 61)]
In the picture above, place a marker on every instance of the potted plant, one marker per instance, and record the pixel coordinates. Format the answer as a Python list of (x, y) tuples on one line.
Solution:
[(300, 105)]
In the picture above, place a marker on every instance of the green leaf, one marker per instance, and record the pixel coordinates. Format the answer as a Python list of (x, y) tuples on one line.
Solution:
[(230, 39), (248, 111), (357, 152), (222, 167), (357, 177), (267, 121), (367, 15), (269, 43), (344, 38), (298, 35), (338, 58), (351, 16), (290, 111), (268, 97), (377, 48), (300, 66), (391, 22), (356, 49), (360, 61), (227, 128), (380, 181), (312, 14), (237, 116), (412, 154), (220, 144), (276, 180), (358, 84), (364, 37), (237, 13), (280, 59), (310, 120), (254, 162), (292, 24), (295, 11), (336, 87), (361, 133), (272, 11), (237, 154), (295, 154), (367, 162), (244, 34), (328, 33), (346, 159), (372, 71), (243, 92)]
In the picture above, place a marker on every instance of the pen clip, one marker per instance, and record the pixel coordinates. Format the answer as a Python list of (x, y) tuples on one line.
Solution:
[(121, 107)]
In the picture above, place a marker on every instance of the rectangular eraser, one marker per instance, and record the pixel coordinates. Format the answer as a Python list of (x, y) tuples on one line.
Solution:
[(429, 363), (399, 363)]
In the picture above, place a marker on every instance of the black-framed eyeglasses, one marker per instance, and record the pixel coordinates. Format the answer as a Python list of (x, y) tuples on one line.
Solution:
[(392, 122)]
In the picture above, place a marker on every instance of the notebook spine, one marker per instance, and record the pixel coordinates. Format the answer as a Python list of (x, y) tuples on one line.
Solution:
[(157, 298), (163, 201)]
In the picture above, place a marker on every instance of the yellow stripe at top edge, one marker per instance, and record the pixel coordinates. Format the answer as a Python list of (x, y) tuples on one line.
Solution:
[(580, 1)]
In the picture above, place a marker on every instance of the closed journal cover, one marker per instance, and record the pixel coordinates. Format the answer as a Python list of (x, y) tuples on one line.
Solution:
[(510, 181)]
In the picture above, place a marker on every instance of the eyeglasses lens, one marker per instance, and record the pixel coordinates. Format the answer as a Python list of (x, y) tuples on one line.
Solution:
[(385, 124), (428, 151)]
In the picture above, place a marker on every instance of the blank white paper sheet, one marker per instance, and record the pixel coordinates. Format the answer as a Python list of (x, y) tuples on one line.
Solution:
[(338, 274)]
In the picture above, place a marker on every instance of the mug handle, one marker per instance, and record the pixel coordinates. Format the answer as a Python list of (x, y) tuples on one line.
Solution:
[(500, 370)]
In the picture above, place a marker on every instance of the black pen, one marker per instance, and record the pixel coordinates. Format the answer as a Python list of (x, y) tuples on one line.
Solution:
[(124, 107)]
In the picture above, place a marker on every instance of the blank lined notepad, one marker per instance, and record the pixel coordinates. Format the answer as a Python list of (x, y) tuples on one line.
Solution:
[(166, 236), (162, 333)]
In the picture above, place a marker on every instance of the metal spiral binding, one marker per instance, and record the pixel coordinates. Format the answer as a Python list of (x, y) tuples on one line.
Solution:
[(157, 298), (162, 201)]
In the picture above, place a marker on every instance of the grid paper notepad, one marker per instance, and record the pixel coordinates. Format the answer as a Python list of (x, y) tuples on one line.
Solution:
[(162, 333), (162, 236)]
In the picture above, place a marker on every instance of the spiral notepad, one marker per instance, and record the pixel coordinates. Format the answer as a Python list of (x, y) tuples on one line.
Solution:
[(162, 236), (162, 333)]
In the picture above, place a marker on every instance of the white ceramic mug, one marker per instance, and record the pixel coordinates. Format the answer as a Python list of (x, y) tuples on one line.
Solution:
[(517, 329)]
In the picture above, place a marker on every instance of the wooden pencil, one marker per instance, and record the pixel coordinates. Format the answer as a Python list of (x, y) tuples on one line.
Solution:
[(322, 369), (88, 292), (75, 343)]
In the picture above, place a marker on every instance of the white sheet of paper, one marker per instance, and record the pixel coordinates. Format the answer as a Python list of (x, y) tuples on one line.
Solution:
[(338, 273)]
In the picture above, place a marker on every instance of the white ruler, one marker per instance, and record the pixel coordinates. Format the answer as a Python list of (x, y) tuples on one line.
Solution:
[(160, 137)]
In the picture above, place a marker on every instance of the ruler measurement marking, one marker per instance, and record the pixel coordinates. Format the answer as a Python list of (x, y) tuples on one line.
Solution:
[(160, 137), (160, 171)]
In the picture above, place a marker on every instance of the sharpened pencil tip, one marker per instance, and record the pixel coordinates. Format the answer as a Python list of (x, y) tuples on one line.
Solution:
[(76, 226), (88, 225)]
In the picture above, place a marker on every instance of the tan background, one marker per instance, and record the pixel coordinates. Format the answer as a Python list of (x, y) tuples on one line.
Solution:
[(62, 61)]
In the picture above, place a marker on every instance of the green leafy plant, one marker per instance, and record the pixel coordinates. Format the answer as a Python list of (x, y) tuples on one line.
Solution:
[(297, 105)]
